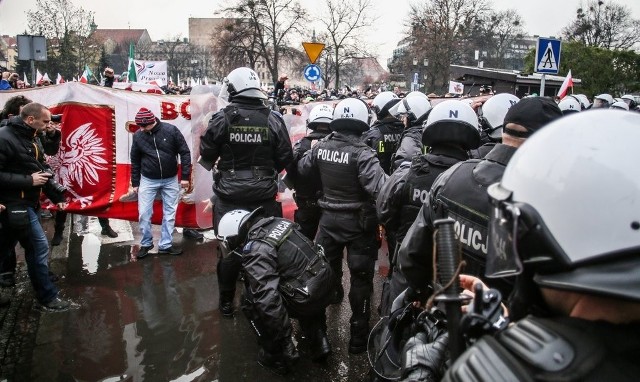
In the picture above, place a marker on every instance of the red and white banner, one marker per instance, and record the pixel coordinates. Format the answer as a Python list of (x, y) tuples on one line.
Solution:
[(97, 129)]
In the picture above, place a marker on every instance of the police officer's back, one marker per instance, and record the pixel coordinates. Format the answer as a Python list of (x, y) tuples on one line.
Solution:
[(309, 188), (451, 130), (249, 145), (351, 179), (410, 143), (385, 132)]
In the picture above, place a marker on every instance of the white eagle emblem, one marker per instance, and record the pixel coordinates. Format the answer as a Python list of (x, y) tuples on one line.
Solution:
[(80, 161)]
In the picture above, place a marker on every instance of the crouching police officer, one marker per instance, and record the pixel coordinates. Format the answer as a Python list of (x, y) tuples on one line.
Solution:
[(577, 293), (285, 275), (251, 145), (351, 179)]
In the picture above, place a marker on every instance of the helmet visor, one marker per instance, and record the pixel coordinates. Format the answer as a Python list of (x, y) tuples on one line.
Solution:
[(502, 258), (227, 246)]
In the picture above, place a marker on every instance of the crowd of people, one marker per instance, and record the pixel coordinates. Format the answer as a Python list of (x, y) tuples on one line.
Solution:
[(542, 196)]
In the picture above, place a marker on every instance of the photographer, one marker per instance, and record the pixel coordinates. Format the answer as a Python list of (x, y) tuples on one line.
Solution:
[(21, 153)]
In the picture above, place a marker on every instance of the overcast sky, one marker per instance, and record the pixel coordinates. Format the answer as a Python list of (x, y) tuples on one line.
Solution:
[(166, 19)]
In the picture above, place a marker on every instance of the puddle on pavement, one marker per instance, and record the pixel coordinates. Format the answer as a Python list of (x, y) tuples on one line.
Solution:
[(157, 319)]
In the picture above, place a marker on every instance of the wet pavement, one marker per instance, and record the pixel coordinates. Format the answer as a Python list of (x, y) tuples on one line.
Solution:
[(154, 319)]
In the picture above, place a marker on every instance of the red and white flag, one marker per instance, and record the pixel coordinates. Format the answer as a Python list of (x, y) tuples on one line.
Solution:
[(85, 76), (46, 77), (39, 77), (59, 79), (568, 82), (26, 83)]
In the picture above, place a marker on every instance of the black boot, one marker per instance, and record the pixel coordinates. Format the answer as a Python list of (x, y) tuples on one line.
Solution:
[(275, 363), (359, 337), (226, 304), (320, 346), (57, 238)]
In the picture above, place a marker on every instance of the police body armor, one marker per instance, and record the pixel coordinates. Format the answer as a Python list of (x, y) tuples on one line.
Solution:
[(303, 268), (470, 210), (410, 144), (337, 159), (560, 349), (391, 132), (423, 172), (307, 189), (249, 148)]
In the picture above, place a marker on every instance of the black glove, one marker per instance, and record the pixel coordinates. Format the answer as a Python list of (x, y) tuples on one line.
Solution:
[(423, 361)]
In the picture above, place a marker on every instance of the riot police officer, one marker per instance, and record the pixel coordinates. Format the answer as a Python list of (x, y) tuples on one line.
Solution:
[(578, 315), (308, 188), (491, 116), (460, 193), (285, 276), (385, 132), (413, 113), (251, 145), (351, 179), (451, 130)]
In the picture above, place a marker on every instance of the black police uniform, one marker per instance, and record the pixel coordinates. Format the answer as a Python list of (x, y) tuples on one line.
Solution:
[(558, 349), (384, 137), (409, 146), (307, 189), (351, 179), (285, 275), (401, 198), (459, 193), (251, 146)]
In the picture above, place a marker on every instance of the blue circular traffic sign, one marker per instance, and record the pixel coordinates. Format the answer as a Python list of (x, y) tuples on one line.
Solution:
[(312, 73)]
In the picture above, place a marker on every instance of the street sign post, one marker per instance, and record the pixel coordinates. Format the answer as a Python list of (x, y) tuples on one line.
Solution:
[(547, 58), (32, 48)]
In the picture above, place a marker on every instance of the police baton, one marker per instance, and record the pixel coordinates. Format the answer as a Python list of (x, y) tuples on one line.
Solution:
[(448, 261)]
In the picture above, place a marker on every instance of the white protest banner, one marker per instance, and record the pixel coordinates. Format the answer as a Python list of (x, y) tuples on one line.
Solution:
[(148, 71), (456, 87)]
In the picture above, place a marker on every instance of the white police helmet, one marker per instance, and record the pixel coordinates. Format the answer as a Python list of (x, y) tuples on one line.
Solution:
[(539, 217), (452, 122), (399, 109), (620, 105), (351, 114), (244, 82), (416, 109), (602, 101), (491, 117), (584, 100), (233, 228), (383, 102), (319, 114), (570, 104)]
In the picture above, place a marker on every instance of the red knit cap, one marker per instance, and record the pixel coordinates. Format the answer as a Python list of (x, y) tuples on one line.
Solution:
[(145, 117)]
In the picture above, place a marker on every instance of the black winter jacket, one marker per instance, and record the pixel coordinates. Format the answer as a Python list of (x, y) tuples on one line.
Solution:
[(154, 154), (22, 154)]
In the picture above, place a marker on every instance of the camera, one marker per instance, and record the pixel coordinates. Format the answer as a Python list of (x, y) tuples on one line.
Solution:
[(52, 188), (57, 118)]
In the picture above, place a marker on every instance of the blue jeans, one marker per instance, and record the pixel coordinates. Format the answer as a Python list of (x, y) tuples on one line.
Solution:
[(36, 252), (170, 191)]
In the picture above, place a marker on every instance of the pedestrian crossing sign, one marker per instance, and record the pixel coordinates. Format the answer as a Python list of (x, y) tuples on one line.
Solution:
[(548, 56)]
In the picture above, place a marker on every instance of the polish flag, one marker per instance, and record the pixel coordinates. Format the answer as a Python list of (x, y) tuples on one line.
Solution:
[(85, 76), (26, 83), (59, 79), (568, 82)]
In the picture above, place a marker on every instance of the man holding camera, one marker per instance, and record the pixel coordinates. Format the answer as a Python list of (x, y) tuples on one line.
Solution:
[(23, 174)]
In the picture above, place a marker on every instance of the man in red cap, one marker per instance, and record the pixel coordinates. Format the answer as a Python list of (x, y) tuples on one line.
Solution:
[(154, 169)]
